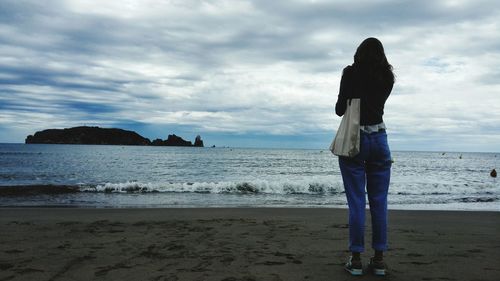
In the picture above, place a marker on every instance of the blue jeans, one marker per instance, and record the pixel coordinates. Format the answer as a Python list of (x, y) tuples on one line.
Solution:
[(370, 168)]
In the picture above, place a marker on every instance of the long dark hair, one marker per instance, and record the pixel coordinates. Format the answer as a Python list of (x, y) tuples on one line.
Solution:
[(370, 58)]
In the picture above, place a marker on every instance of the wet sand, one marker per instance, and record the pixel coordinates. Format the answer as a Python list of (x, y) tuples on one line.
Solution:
[(238, 244)]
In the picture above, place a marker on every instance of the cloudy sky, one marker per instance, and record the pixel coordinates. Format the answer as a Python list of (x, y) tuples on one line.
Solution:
[(248, 73)]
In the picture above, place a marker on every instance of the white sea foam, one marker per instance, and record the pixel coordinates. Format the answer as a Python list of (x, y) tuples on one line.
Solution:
[(253, 187), (320, 186)]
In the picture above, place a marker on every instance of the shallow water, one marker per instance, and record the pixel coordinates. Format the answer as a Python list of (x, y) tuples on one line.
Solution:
[(146, 176)]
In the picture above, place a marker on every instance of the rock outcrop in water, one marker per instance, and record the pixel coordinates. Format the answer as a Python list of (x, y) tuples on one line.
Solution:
[(198, 141), (172, 140), (96, 135), (88, 135)]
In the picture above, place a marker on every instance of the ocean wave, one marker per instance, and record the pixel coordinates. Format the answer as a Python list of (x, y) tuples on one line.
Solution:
[(477, 199), (254, 187), (246, 187)]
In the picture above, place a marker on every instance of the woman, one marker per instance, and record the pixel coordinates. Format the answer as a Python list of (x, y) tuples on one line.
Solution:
[(370, 78)]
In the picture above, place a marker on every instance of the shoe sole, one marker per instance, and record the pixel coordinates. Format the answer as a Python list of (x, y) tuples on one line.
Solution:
[(355, 272), (379, 272)]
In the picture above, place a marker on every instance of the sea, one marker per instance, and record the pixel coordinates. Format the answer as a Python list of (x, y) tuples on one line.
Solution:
[(109, 176)]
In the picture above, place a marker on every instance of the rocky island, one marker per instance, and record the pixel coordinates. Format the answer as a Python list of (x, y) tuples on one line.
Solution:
[(174, 140), (104, 136)]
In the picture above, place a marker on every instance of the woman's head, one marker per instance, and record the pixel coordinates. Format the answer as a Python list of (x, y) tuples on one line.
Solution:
[(370, 52), (370, 55)]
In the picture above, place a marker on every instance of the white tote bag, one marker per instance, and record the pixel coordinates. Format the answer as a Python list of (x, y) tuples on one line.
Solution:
[(346, 141)]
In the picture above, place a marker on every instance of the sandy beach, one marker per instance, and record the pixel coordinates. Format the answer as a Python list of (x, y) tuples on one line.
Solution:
[(238, 244)]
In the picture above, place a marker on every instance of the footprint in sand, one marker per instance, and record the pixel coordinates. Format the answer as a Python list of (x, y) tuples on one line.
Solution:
[(14, 251), (475, 251), (5, 266), (343, 225)]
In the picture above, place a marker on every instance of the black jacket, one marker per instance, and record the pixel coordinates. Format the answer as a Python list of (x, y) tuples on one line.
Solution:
[(357, 83)]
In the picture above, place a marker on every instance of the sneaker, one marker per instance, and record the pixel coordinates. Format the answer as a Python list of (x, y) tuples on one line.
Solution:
[(354, 267), (378, 267)]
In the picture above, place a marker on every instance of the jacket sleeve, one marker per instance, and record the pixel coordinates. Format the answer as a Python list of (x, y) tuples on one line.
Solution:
[(344, 92)]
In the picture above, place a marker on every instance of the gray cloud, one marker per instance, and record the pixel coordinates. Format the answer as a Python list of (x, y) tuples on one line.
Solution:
[(244, 67)]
